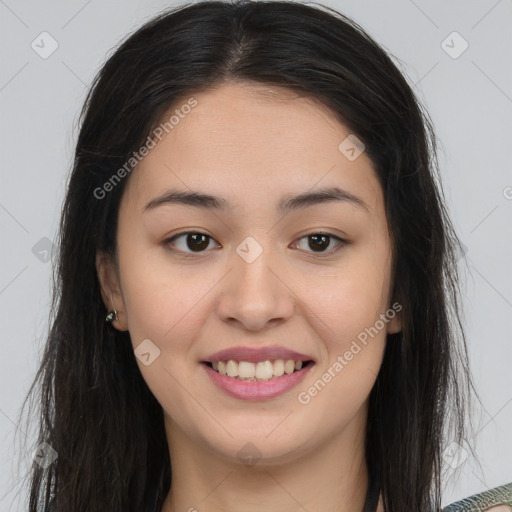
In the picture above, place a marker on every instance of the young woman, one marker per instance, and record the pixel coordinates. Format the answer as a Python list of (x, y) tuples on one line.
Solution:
[(257, 301)]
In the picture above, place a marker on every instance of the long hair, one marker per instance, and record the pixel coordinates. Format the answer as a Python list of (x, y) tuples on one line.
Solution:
[(95, 409)]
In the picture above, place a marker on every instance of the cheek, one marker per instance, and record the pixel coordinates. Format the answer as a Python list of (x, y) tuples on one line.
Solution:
[(352, 297), (354, 338), (161, 298)]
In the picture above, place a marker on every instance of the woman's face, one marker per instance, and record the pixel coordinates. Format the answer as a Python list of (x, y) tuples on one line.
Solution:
[(252, 274)]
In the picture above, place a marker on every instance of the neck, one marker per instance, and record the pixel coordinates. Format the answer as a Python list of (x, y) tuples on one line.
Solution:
[(331, 476)]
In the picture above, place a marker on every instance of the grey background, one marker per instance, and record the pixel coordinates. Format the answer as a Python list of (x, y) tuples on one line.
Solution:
[(468, 97)]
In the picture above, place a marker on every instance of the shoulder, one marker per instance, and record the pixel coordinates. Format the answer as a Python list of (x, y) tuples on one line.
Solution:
[(498, 499)]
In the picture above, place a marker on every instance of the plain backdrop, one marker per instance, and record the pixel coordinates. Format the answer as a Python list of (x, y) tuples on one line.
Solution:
[(467, 90)]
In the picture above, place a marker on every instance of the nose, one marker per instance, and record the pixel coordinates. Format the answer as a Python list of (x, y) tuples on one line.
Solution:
[(255, 294)]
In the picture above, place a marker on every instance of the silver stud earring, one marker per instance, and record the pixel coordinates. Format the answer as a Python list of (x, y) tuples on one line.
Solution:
[(110, 317)]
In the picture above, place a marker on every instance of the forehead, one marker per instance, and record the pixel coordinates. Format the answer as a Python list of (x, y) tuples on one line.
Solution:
[(250, 143)]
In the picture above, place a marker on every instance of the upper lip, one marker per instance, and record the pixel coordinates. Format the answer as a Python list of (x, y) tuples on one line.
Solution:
[(255, 355)]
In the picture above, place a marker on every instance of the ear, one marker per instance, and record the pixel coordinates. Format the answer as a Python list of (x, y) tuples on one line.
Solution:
[(395, 323), (111, 289)]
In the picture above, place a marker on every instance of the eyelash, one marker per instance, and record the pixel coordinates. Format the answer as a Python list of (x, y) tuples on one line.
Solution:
[(168, 242)]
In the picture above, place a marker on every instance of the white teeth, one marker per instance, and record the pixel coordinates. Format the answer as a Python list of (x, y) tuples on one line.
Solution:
[(289, 366), (261, 371), (246, 370), (278, 368), (232, 368), (264, 370)]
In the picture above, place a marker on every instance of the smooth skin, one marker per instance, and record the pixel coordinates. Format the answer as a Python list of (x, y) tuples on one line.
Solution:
[(253, 145)]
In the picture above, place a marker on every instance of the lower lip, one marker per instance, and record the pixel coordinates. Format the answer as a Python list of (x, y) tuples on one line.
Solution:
[(254, 390)]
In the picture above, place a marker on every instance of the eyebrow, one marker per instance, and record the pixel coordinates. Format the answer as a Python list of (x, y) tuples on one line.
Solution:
[(285, 205)]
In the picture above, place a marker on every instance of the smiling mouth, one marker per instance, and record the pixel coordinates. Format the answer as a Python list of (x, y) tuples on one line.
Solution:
[(258, 372)]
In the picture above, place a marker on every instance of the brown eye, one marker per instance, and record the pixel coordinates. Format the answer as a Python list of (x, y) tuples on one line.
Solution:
[(194, 242), (319, 242), (197, 241)]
